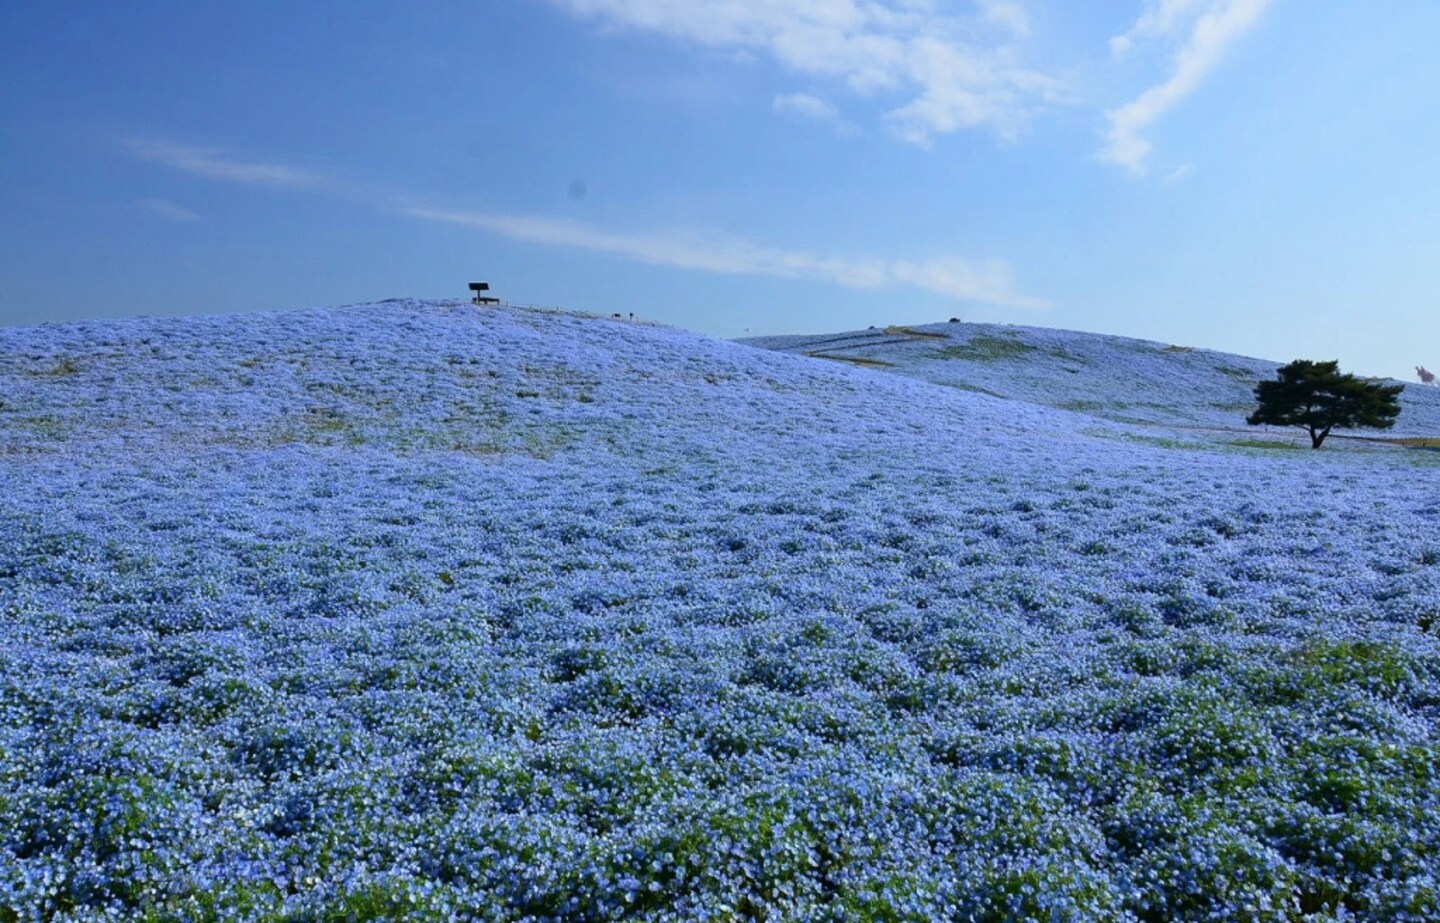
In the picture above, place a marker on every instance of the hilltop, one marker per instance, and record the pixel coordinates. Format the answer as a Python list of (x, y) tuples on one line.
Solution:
[(1115, 378), (412, 610)]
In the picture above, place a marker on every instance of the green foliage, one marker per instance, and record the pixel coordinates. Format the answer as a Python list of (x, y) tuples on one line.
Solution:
[(1317, 397)]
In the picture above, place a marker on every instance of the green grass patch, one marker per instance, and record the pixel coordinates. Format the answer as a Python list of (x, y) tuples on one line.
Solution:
[(1163, 442), (63, 368), (987, 349), (1264, 444)]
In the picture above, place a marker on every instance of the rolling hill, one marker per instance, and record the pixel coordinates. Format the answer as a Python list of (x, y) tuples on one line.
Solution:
[(1116, 378), (416, 611)]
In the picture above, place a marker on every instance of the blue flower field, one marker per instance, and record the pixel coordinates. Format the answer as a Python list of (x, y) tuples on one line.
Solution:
[(418, 611)]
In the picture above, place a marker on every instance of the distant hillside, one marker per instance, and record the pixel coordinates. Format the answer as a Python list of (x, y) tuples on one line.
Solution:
[(1116, 378), (418, 611), (414, 377)]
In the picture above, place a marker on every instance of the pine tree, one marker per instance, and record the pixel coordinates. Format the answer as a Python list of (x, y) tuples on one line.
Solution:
[(1317, 397)]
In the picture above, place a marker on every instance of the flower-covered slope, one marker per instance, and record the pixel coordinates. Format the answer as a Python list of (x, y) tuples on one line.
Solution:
[(417, 611), (1117, 378)]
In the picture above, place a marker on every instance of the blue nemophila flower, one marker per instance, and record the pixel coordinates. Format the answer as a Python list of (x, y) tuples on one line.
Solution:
[(409, 611)]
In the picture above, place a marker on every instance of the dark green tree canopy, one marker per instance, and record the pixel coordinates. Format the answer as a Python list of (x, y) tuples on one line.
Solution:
[(1317, 397)]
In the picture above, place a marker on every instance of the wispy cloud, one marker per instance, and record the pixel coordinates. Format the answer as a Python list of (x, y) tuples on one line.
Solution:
[(215, 164), (958, 73), (1007, 14), (813, 109), (806, 106), (1159, 19), (1178, 174), (167, 209), (988, 281), (1205, 30)]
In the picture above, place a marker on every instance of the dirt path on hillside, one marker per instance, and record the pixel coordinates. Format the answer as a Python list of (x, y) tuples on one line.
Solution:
[(914, 334)]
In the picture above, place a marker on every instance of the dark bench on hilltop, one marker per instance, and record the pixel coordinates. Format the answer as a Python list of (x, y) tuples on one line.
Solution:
[(477, 288)]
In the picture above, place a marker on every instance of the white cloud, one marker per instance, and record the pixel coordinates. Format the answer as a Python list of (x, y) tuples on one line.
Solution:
[(1205, 30), (1164, 18), (814, 109), (213, 164), (957, 72), (1177, 174), (167, 209), (959, 93), (1007, 14), (989, 281), (806, 106)]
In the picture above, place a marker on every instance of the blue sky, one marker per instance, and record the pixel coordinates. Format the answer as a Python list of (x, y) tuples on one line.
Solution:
[(1258, 176)]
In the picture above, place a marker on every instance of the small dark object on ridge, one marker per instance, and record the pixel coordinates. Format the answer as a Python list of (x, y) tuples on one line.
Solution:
[(477, 288), (956, 320)]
